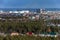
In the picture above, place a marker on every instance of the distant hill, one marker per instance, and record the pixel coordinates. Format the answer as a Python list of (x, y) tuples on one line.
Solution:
[(30, 9)]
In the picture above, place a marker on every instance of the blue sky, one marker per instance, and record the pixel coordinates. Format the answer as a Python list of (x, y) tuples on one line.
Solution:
[(29, 3)]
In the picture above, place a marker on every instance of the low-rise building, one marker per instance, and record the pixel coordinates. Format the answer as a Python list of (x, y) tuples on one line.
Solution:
[(14, 33)]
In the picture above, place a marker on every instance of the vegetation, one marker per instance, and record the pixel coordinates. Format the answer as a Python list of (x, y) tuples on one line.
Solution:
[(37, 27), (25, 26), (27, 38)]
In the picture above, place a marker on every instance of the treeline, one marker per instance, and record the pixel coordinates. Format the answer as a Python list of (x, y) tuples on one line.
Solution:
[(24, 27)]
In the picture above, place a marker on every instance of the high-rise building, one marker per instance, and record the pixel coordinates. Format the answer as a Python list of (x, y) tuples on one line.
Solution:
[(42, 10), (37, 10)]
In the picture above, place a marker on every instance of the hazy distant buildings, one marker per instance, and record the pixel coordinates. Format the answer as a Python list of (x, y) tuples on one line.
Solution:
[(36, 14)]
